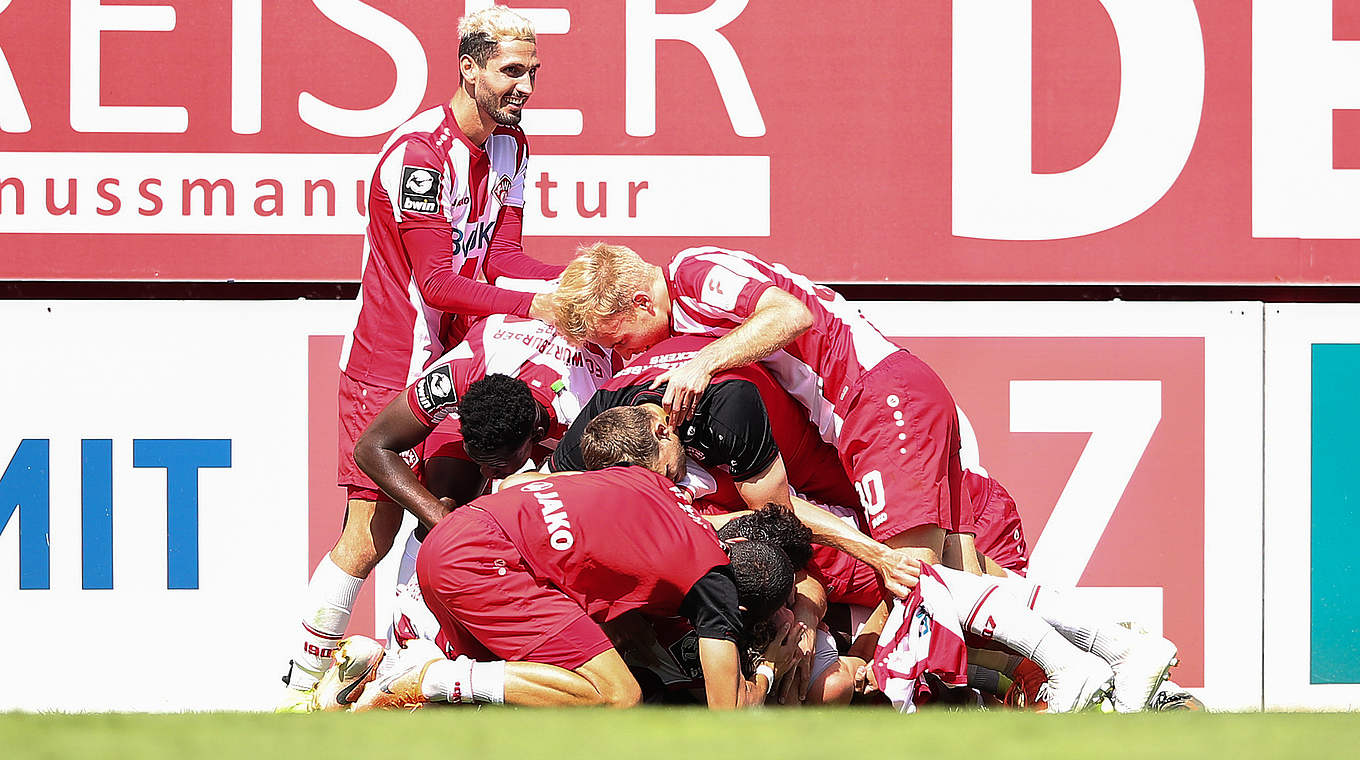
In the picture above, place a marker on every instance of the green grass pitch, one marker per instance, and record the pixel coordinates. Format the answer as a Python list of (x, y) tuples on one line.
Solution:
[(679, 734)]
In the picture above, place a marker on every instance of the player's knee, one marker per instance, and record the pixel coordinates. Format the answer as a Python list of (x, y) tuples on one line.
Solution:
[(622, 694), (835, 687)]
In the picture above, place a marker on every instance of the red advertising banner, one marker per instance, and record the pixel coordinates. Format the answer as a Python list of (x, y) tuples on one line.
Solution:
[(1052, 141)]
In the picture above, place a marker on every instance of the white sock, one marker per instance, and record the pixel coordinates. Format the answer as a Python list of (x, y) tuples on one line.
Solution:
[(465, 680), (488, 682), (1106, 639), (987, 611), (330, 599)]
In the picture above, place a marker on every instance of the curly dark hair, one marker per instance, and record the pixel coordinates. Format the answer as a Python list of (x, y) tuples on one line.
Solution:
[(764, 579), (497, 414), (777, 525)]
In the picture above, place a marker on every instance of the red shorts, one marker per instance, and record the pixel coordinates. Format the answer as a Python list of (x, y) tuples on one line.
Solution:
[(899, 443), (488, 602), (359, 403), (999, 532)]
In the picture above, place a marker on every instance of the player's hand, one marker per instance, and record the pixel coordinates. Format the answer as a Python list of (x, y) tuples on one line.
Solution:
[(684, 385), (794, 686), (782, 652), (899, 571), (865, 681)]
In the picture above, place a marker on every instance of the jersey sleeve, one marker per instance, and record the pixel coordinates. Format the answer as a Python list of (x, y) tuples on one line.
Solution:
[(711, 605), (717, 285), (435, 394), (414, 177), (515, 198), (738, 428)]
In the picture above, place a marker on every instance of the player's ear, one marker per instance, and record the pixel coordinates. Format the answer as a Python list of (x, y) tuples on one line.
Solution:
[(467, 69), (541, 424), (642, 300)]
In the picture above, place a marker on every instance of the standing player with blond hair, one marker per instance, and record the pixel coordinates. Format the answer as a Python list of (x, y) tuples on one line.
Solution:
[(445, 211)]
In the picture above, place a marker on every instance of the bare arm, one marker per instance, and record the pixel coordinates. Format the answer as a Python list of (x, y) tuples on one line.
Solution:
[(722, 673), (777, 319), (898, 569), (378, 454)]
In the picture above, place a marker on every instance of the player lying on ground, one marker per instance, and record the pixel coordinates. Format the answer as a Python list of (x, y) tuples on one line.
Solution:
[(889, 416), (968, 603), (521, 582)]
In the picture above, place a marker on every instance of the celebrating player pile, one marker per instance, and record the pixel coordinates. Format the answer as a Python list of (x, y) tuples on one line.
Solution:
[(665, 552)]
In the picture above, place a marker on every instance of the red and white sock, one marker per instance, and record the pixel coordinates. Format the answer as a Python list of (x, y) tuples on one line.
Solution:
[(1104, 638), (330, 600), (988, 611), (465, 680)]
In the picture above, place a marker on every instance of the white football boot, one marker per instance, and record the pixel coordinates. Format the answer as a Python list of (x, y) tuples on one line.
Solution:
[(1140, 670), (1081, 683), (353, 666)]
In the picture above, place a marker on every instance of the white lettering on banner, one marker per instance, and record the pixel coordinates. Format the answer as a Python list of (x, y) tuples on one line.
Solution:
[(643, 27), (1121, 416), (407, 55), (648, 196), (996, 194), (567, 122), (89, 20), (247, 33), (1299, 76), (13, 114), (324, 194)]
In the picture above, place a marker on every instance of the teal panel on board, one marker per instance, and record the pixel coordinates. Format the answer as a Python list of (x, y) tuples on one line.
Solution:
[(1335, 623)]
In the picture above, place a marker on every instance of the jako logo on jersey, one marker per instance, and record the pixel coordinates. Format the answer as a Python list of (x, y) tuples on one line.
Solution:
[(559, 528), (479, 237), (420, 189)]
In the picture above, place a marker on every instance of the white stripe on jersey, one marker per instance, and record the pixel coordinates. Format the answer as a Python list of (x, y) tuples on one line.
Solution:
[(458, 166), (424, 332)]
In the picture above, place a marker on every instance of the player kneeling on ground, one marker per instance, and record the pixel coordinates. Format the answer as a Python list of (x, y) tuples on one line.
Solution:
[(522, 580)]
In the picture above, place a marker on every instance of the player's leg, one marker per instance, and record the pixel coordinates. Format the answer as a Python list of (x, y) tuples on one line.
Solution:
[(369, 527), (832, 677), (899, 443), (369, 530), (1076, 679), (549, 651), (1140, 661)]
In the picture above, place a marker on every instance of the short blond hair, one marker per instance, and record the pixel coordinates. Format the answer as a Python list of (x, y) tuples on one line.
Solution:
[(480, 34), (598, 284)]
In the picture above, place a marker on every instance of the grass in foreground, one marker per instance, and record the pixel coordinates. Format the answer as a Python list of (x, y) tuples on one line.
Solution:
[(683, 734)]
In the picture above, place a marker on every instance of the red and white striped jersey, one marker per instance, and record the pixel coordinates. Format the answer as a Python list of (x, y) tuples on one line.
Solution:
[(713, 290), (561, 377), (429, 175)]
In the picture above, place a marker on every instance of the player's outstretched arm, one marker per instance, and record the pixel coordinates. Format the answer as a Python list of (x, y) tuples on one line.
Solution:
[(778, 318), (378, 453), (898, 569)]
